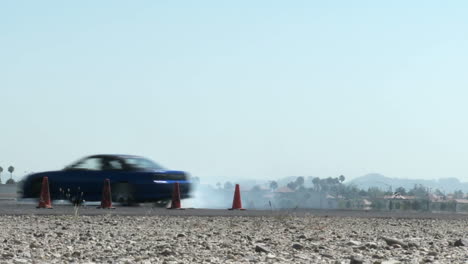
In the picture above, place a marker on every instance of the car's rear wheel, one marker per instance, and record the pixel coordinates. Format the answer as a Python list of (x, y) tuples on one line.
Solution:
[(123, 193)]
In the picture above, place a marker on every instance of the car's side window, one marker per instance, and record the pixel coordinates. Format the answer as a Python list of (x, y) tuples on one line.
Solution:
[(89, 164), (112, 164)]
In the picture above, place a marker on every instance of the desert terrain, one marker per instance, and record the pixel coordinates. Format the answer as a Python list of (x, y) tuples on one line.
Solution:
[(282, 238)]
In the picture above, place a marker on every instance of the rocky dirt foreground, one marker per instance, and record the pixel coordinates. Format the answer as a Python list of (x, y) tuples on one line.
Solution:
[(275, 239)]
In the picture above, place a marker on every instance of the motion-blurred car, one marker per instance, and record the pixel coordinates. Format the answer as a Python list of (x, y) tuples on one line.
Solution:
[(133, 179)]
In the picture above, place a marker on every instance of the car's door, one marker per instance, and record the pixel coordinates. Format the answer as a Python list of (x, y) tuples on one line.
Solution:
[(115, 170), (83, 180)]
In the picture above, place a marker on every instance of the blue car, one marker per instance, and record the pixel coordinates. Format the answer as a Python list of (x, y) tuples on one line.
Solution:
[(133, 179)]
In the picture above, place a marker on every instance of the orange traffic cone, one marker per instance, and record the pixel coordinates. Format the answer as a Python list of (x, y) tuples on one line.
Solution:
[(237, 203), (106, 200), (175, 204), (44, 199)]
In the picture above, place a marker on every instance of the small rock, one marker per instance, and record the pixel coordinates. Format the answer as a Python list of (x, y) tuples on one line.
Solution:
[(390, 261), (39, 234), (413, 245), (353, 243), (372, 245), (181, 235), (20, 261), (462, 242), (393, 241), (167, 252), (356, 260), (340, 262), (301, 256), (261, 248), (247, 258), (297, 246), (34, 245)]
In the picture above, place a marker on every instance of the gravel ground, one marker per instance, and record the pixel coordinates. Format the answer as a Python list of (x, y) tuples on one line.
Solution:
[(192, 239)]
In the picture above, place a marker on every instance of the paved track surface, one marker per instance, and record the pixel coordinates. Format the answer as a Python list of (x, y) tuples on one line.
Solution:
[(18, 208)]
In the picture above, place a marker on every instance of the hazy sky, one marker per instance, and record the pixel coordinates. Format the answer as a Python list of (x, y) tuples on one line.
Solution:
[(238, 89)]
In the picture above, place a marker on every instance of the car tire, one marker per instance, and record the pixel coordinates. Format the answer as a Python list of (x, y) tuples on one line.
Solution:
[(123, 192), (162, 203)]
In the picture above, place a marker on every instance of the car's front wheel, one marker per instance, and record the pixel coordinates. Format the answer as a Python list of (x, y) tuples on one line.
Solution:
[(123, 193)]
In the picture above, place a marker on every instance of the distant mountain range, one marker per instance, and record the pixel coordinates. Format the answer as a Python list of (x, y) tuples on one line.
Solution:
[(446, 185)]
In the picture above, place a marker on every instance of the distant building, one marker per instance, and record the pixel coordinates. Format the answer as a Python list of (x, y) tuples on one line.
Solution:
[(284, 189), (461, 205)]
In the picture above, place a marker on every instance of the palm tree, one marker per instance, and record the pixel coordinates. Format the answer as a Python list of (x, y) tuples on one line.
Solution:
[(324, 185), (316, 182), (273, 185), (11, 169), (341, 188), (330, 181), (342, 178), (299, 181), (1, 169), (401, 190)]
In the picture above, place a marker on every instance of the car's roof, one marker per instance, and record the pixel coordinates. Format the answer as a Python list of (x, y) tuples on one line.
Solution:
[(114, 156)]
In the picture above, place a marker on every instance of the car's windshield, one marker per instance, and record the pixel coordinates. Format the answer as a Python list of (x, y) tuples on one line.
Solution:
[(142, 163)]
